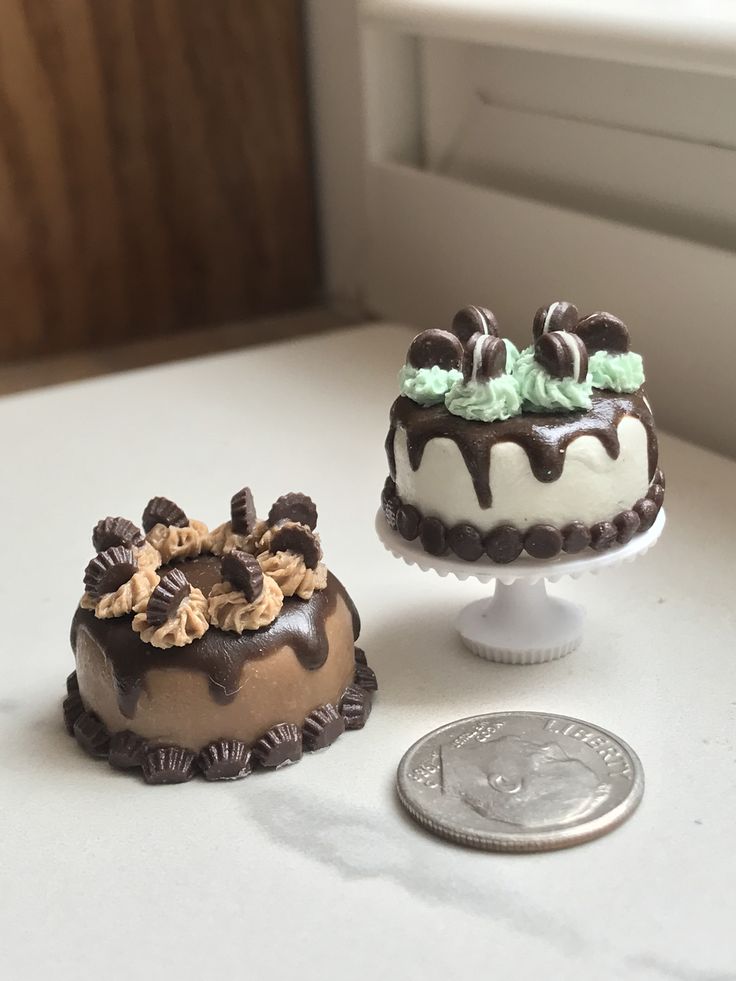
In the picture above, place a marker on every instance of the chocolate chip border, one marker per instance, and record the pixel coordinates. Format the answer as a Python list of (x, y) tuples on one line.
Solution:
[(505, 542), (125, 751)]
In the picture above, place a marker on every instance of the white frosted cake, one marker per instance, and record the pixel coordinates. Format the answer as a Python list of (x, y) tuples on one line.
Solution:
[(492, 452)]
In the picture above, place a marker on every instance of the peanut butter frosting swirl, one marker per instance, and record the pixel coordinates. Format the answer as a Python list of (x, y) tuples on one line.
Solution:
[(147, 556), (230, 610), (223, 539), (131, 597), (173, 542), (189, 622), (292, 575)]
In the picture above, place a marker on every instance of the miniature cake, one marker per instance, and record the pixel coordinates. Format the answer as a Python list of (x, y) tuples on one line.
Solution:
[(213, 652), (493, 452)]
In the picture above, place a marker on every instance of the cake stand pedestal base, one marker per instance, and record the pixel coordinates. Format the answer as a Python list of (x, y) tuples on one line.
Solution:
[(520, 623)]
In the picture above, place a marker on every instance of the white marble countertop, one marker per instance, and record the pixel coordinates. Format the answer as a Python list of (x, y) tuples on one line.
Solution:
[(314, 872)]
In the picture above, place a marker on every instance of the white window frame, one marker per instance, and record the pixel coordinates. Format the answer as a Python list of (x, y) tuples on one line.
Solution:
[(406, 240)]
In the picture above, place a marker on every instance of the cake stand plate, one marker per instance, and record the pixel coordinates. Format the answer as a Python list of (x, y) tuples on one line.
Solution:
[(520, 623)]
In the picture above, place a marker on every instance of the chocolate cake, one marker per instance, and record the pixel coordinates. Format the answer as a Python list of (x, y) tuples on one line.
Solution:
[(493, 452), (213, 652)]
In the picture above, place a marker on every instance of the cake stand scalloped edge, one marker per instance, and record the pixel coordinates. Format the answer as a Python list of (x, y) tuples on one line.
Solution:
[(520, 623)]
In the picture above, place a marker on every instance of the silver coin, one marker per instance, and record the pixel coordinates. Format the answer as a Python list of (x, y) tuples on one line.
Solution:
[(520, 781)]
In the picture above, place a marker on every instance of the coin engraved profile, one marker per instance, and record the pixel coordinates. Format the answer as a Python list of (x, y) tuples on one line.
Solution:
[(520, 781)]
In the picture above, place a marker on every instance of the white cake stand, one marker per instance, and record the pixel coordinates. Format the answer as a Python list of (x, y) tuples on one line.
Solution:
[(520, 623)]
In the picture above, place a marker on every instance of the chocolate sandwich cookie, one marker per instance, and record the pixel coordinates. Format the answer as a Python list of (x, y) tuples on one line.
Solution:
[(435, 347), (603, 332), (484, 358), (473, 320), (562, 354), (559, 315)]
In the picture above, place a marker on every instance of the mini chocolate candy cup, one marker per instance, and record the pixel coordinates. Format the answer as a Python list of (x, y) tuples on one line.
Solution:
[(435, 347), (127, 750), (559, 315), (162, 511), (243, 571), (299, 539), (280, 746), (116, 531), (355, 707), (243, 516), (226, 759), (562, 355), (167, 597), (109, 570), (322, 727), (168, 764), (294, 507)]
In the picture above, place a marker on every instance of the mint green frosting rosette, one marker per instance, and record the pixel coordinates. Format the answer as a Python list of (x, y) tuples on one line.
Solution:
[(617, 372), (427, 386), (539, 390), (512, 354), (485, 401)]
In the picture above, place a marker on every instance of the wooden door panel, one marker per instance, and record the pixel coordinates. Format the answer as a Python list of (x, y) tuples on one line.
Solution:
[(154, 168)]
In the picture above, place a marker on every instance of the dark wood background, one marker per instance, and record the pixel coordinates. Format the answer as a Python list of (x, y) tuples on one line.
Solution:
[(154, 168)]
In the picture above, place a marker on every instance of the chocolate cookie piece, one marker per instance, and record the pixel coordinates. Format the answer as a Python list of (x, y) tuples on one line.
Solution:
[(294, 507), (299, 539), (465, 542), (243, 571), (647, 511), (72, 683), (473, 320), (543, 541), (167, 597), (73, 708), (322, 727), (108, 570), (243, 516), (365, 677), (92, 735), (225, 759), (656, 494), (626, 524), (168, 764), (116, 531), (559, 315), (562, 355), (355, 707), (432, 536), (162, 511), (407, 522), (575, 537), (281, 745), (503, 544), (435, 347), (603, 332), (390, 504), (484, 358), (602, 535), (127, 750)]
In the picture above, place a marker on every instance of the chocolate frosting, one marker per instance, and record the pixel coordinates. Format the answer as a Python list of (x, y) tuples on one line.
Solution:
[(218, 654), (544, 437)]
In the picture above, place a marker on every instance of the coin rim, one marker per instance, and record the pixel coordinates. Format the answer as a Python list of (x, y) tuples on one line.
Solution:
[(539, 841)]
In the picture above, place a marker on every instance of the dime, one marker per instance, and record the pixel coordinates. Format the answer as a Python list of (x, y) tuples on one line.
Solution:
[(520, 781)]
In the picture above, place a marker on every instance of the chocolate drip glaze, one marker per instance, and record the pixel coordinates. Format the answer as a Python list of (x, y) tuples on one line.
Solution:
[(220, 655), (544, 437)]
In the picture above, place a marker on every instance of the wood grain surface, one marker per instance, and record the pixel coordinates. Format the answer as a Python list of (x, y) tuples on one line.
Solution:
[(154, 168)]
